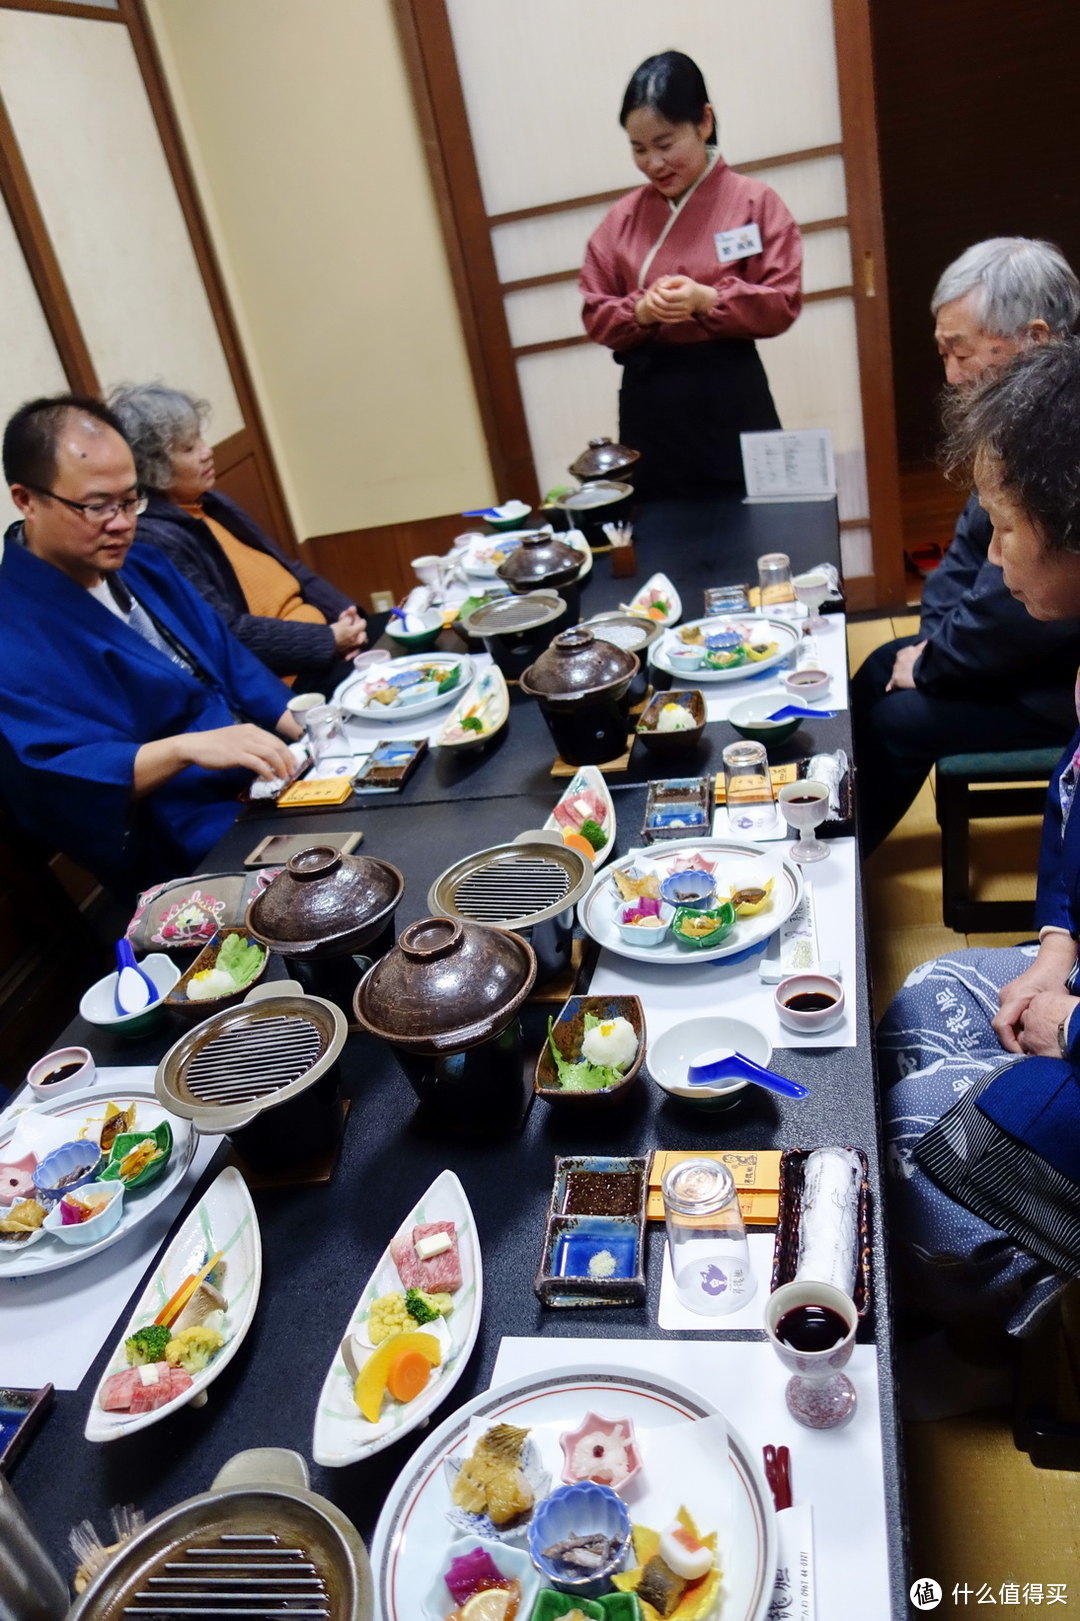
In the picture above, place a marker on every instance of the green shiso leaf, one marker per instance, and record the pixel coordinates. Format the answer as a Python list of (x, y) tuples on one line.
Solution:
[(594, 833), (581, 1076)]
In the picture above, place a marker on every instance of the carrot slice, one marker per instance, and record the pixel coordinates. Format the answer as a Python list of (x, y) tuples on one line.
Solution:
[(578, 842), (172, 1308), (407, 1375)]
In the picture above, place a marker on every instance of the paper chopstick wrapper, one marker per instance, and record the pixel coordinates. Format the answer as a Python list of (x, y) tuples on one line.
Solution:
[(829, 1219), (793, 1596)]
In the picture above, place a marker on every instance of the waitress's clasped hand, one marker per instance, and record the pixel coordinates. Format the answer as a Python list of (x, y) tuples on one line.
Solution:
[(674, 298)]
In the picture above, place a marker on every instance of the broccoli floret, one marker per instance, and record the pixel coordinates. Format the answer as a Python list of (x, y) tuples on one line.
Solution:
[(419, 1307), (594, 833), (147, 1345)]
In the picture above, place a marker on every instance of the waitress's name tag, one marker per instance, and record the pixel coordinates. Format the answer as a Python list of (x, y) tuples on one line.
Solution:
[(741, 243)]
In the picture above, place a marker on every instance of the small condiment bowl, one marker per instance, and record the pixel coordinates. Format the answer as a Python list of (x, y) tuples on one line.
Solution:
[(674, 1050), (98, 1004), (722, 916), (809, 1020), (81, 1158), (582, 1509), (808, 684), (643, 934), (691, 889), (373, 655), (684, 656), (96, 1227), (568, 1032), (511, 1562), (750, 718), (605, 1430), (37, 1076), (661, 742)]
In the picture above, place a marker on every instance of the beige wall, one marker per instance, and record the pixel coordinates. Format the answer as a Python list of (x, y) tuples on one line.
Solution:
[(302, 134)]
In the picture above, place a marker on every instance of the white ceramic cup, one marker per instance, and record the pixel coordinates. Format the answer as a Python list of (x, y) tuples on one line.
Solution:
[(37, 1075), (809, 1020)]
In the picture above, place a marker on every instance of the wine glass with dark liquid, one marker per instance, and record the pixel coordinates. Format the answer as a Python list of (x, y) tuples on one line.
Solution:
[(811, 1327), (805, 805)]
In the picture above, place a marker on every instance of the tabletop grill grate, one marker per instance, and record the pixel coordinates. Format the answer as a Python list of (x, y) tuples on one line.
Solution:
[(254, 1060), (240, 1575), (506, 889)]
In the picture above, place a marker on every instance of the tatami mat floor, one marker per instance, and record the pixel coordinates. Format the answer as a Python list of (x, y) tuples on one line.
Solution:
[(982, 1517)]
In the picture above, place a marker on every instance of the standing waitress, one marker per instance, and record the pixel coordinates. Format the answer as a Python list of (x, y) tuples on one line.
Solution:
[(680, 278)]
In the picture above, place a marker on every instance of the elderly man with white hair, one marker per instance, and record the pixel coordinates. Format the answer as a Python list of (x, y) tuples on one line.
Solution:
[(981, 675)]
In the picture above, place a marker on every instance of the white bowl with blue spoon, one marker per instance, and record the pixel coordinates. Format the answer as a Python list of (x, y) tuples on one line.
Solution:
[(735, 1052)]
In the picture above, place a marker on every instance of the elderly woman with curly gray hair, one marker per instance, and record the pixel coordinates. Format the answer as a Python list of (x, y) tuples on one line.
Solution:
[(300, 625)]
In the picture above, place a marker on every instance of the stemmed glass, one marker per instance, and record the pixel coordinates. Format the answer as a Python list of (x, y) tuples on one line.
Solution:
[(812, 588), (805, 805), (811, 1327)]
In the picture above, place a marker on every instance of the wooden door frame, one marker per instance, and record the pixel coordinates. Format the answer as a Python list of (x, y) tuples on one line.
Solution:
[(427, 40), (16, 188)]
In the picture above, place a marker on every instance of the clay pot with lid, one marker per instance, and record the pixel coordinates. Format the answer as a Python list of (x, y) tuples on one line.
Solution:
[(603, 458), (446, 999), (540, 562), (582, 684), (321, 910), (515, 630)]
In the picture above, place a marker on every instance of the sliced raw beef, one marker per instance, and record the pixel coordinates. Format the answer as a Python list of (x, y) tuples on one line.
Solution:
[(127, 1393), (441, 1274)]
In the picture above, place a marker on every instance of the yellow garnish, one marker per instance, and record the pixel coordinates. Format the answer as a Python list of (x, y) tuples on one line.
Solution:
[(699, 1597)]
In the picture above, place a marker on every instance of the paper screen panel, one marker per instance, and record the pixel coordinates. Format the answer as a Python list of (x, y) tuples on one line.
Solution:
[(552, 242), (31, 364), (571, 396), (814, 190), (87, 135), (544, 84), (826, 260), (856, 553)]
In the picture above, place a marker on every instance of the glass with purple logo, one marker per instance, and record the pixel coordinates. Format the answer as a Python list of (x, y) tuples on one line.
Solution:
[(710, 1259)]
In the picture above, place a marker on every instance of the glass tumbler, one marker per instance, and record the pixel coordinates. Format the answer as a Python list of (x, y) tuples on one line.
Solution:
[(710, 1259), (748, 788), (811, 1327), (774, 582), (326, 734)]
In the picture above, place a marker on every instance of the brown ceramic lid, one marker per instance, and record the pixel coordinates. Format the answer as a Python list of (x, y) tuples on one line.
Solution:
[(540, 560), (603, 459), (576, 663), (446, 986), (511, 615), (323, 903)]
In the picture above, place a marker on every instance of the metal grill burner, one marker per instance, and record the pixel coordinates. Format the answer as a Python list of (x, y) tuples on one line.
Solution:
[(239, 1575), (511, 889), (253, 1061)]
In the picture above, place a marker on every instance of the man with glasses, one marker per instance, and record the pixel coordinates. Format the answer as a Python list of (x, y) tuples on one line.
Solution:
[(130, 718)]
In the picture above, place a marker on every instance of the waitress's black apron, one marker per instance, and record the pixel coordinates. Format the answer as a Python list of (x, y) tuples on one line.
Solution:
[(683, 406)]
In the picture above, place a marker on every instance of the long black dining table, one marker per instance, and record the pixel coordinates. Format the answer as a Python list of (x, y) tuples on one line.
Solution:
[(321, 1242)]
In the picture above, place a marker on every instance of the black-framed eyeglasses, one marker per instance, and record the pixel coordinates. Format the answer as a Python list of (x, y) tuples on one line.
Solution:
[(98, 511)]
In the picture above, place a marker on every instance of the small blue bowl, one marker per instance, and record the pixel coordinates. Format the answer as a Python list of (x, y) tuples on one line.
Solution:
[(83, 1157), (689, 889), (581, 1509)]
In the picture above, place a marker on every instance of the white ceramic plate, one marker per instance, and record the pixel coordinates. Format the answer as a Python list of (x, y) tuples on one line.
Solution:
[(488, 689), (77, 1107), (781, 631), (224, 1219), (478, 563), (659, 582), (735, 862), (342, 1434), (589, 777), (413, 1531), (354, 694)]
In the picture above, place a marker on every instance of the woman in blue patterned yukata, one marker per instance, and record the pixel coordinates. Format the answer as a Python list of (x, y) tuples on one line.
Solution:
[(980, 1050)]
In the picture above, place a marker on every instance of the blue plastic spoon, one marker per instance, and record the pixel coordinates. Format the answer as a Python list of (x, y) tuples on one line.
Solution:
[(721, 1064), (135, 989), (800, 712)]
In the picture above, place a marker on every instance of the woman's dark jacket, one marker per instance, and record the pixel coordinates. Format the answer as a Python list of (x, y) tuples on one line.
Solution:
[(286, 646)]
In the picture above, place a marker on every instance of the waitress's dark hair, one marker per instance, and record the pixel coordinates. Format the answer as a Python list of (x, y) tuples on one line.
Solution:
[(671, 84)]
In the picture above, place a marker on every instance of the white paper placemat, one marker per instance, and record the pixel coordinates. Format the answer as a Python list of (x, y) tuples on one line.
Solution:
[(840, 1471), (674, 1315), (53, 1326), (676, 991)]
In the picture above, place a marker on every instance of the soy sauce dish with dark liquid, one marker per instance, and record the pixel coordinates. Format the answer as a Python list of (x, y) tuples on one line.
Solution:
[(810, 1001), (60, 1074), (811, 1328)]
